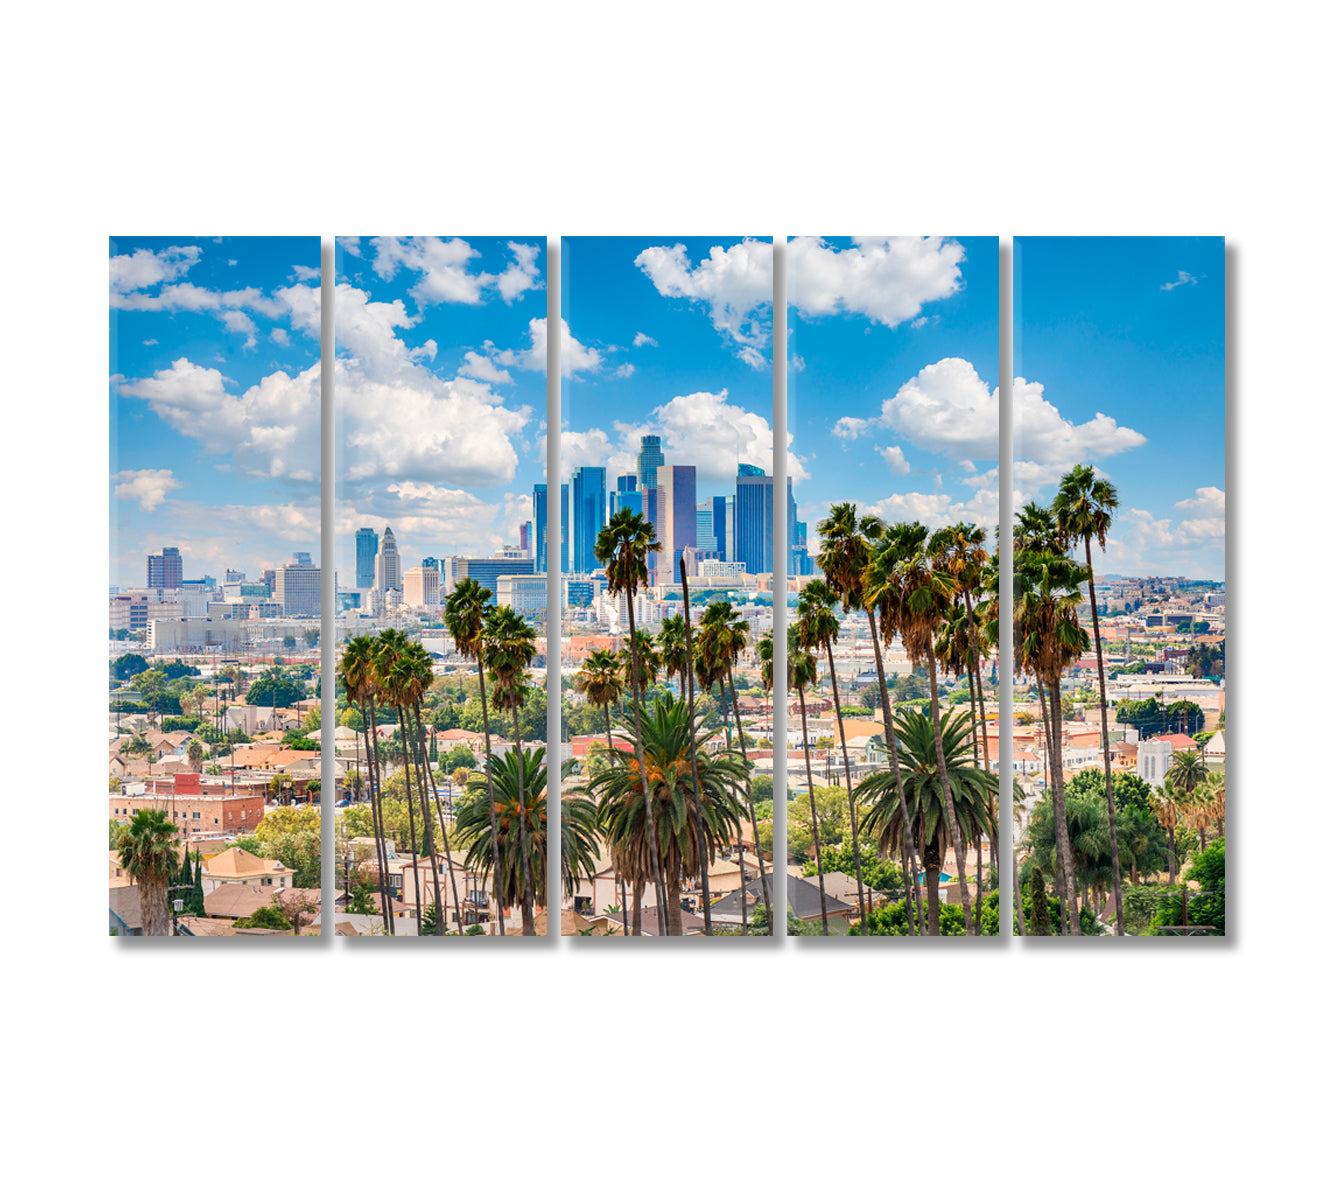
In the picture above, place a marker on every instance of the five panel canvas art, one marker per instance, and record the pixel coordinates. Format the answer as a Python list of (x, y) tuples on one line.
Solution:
[(719, 627)]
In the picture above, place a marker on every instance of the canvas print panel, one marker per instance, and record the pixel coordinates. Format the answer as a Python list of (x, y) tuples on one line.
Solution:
[(214, 621), (1120, 587), (440, 399), (668, 563), (892, 683)]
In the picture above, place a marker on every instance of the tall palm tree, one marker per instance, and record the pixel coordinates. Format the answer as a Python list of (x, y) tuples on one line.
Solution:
[(357, 667), (926, 593), (147, 847), (511, 644), (723, 636), (672, 649), (817, 628), (600, 680), (1083, 510), (419, 662), (926, 787), (465, 616), (880, 596), (1048, 639), (801, 674), (963, 549), (519, 785), (397, 685), (688, 684), (623, 547), (666, 764)]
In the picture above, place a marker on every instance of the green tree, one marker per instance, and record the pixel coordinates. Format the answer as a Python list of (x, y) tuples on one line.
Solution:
[(127, 666), (147, 847)]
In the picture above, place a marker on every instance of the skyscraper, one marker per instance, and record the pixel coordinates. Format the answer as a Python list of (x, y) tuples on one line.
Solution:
[(298, 589), (165, 570), (650, 459), (589, 497), (626, 483), (724, 526), (704, 538), (368, 545), (540, 527), (676, 511), (754, 519), (388, 565), (526, 536)]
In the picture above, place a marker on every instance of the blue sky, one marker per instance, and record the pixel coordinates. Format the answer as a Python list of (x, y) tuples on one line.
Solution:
[(893, 350), (670, 336), (214, 402), (440, 390), (1124, 337)]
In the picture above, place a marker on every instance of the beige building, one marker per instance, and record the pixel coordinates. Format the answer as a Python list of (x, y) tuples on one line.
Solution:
[(421, 587)]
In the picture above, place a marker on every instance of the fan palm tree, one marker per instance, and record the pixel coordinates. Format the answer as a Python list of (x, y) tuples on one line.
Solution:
[(519, 784), (666, 764), (419, 662), (511, 644), (465, 616), (1083, 510), (1170, 806), (801, 674), (817, 628), (600, 680), (723, 636), (1048, 638), (688, 684), (398, 685), (672, 652), (357, 667), (147, 848), (926, 593), (926, 787), (623, 547)]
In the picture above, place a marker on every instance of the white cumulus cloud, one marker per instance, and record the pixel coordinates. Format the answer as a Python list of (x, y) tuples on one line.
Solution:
[(148, 487), (887, 280)]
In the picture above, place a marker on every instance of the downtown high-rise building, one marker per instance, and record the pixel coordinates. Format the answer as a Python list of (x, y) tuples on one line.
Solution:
[(526, 537), (755, 519), (165, 570), (649, 460), (368, 545), (297, 589), (676, 517), (540, 528), (588, 508), (388, 565)]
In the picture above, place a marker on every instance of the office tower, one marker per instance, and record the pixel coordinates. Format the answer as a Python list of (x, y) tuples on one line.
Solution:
[(231, 576), (649, 460), (297, 589), (421, 586), (540, 527), (634, 501), (626, 483), (302, 558), (676, 508), (724, 526), (801, 559), (368, 545), (388, 564), (526, 536), (431, 561), (487, 569), (754, 519), (165, 570), (270, 580), (588, 495), (704, 538)]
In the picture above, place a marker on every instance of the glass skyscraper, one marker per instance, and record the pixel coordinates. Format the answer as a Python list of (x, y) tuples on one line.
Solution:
[(368, 546), (589, 496)]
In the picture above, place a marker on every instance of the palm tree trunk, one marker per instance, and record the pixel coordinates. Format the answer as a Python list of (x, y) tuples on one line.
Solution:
[(377, 810), (491, 800), (750, 803), (862, 912), (956, 830), (377, 833), (1053, 767), (655, 862), (815, 822), (1058, 805), (972, 712), (639, 909), (977, 670), (931, 865), (428, 826), (1018, 896), (529, 929), (891, 737), (412, 832), (1106, 748), (444, 831), (688, 689), (611, 754), (674, 926)]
